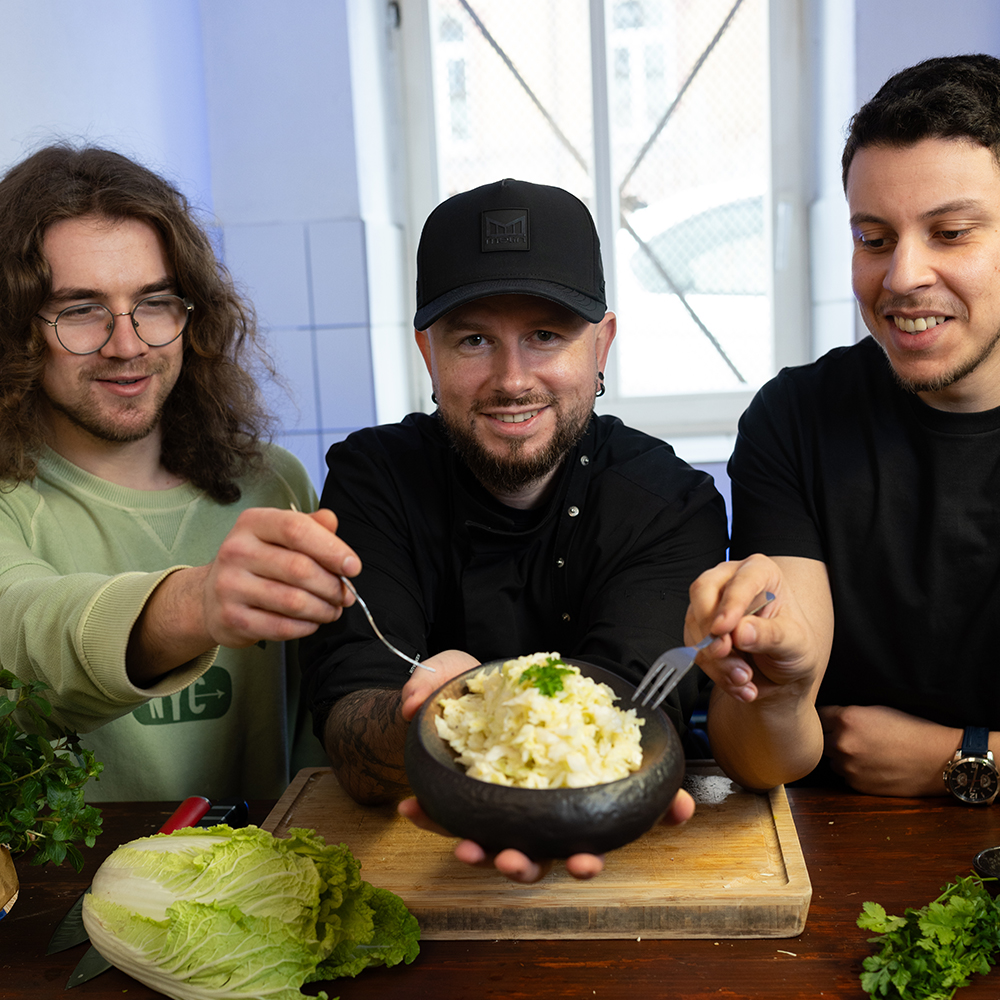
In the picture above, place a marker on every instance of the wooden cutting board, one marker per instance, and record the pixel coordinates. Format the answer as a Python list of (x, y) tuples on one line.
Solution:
[(734, 871)]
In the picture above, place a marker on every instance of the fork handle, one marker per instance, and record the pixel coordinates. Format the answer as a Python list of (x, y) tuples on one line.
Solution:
[(765, 600)]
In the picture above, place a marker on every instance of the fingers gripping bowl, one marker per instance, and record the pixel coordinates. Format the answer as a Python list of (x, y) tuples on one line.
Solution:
[(550, 822)]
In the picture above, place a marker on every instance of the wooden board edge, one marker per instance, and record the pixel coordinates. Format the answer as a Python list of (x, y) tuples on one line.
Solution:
[(783, 918), (282, 808), (788, 840)]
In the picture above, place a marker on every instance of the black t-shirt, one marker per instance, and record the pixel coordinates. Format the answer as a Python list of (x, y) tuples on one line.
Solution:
[(599, 573), (834, 461)]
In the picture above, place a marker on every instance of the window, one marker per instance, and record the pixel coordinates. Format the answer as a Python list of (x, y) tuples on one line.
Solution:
[(657, 114)]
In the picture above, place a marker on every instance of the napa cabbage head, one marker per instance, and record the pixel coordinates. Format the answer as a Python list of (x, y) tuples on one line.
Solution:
[(239, 913)]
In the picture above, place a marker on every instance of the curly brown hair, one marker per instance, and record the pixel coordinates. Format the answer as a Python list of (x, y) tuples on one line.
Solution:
[(214, 421)]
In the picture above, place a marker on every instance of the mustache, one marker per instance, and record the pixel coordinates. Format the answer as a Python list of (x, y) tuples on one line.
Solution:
[(105, 372), (897, 303), (500, 400)]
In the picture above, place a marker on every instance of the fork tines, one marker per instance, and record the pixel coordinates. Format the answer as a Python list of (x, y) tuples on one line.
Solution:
[(656, 684)]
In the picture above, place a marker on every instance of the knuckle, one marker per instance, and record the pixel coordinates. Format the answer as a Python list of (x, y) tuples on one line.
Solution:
[(298, 604), (327, 518), (235, 547), (286, 629), (233, 619), (297, 527), (299, 566)]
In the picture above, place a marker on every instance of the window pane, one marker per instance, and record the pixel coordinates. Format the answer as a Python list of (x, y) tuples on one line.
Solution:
[(693, 259), (525, 105)]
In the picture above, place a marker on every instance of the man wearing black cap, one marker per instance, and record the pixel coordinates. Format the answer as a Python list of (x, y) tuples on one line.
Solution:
[(512, 520)]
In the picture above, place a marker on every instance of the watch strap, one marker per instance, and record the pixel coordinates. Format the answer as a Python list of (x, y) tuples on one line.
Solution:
[(975, 742)]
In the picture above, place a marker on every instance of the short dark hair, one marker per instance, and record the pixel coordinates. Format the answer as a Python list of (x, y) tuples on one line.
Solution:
[(949, 97), (214, 420)]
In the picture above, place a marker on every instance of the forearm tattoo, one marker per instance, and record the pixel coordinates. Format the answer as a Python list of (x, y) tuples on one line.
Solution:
[(365, 733)]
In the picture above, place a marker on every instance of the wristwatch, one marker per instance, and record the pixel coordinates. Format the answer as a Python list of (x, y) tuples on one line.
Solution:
[(971, 776)]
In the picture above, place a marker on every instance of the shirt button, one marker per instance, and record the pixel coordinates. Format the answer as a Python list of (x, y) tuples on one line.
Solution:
[(565, 616), (573, 511), (560, 562), (584, 460)]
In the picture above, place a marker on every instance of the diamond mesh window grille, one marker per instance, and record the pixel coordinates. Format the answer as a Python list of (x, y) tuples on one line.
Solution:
[(689, 147)]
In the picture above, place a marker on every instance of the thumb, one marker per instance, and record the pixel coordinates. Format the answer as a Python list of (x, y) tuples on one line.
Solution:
[(413, 697), (746, 636)]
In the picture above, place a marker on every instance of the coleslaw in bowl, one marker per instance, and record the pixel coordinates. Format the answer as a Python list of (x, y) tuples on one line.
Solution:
[(538, 722), (551, 822)]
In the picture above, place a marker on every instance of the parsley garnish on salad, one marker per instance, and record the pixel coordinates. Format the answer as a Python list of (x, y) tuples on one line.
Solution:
[(548, 677)]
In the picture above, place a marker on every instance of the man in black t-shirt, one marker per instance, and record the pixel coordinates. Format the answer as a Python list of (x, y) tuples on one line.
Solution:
[(513, 520), (871, 480)]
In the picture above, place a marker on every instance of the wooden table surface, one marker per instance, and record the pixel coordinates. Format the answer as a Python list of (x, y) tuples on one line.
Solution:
[(896, 851)]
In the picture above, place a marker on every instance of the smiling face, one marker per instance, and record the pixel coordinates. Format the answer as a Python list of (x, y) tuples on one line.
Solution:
[(515, 378), (115, 395), (926, 268)]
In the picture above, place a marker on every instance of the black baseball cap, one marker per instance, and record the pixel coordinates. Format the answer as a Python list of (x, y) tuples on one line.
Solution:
[(505, 238)]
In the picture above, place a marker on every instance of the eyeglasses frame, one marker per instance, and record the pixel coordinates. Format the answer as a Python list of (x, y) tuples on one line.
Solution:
[(54, 323)]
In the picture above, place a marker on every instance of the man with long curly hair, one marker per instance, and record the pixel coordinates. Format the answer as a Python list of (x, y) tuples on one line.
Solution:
[(155, 551)]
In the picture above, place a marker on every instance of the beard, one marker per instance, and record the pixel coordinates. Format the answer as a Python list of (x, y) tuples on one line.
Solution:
[(118, 425), (946, 379), (510, 473), (893, 303)]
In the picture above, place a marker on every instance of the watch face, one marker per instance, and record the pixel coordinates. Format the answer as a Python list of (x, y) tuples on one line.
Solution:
[(973, 779)]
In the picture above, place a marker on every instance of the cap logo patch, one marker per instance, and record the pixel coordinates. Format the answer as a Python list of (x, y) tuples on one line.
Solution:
[(506, 229)]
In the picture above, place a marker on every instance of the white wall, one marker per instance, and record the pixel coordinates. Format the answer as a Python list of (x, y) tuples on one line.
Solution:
[(894, 34), (125, 73)]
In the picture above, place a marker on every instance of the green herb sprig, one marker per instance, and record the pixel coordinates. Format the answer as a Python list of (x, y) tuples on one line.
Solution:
[(42, 779), (547, 677), (928, 953)]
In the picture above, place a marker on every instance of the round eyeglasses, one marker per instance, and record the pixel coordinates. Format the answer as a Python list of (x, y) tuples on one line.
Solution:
[(85, 328)]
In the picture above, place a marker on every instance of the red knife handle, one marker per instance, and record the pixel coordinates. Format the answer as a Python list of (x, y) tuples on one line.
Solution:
[(187, 813)]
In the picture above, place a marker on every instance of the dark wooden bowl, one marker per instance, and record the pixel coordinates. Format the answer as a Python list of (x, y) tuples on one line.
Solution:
[(544, 823)]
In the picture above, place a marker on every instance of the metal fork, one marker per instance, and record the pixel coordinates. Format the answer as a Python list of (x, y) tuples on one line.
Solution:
[(371, 621), (669, 667)]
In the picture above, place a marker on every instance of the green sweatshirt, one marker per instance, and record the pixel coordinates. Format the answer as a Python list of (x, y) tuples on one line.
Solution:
[(79, 556)]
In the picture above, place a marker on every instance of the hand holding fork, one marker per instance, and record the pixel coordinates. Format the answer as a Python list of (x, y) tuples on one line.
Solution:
[(669, 667)]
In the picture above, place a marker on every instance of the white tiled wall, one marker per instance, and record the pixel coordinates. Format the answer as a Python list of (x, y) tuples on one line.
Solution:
[(269, 260), (286, 191), (309, 284), (338, 273)]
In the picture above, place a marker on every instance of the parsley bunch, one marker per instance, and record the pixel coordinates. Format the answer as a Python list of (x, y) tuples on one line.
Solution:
[(42, 779), (927, 954)]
